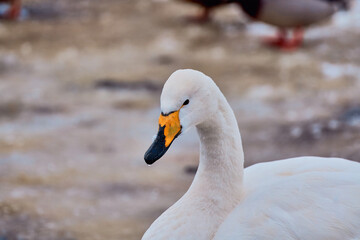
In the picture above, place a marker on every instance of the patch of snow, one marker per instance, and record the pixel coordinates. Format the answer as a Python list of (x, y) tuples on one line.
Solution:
[(333, 124), (296, 132), (316, 129), (19, 193), (261, 92), (348, 19), (335, 71), (166, 44), (260, 29)]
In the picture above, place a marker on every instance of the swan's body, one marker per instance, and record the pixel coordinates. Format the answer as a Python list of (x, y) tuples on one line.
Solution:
[(300, 198)]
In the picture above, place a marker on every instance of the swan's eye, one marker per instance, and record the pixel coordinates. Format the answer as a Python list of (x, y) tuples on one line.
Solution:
[(186, 102)]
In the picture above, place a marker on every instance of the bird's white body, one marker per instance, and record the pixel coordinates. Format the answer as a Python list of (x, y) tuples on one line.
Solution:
[(301, 198)]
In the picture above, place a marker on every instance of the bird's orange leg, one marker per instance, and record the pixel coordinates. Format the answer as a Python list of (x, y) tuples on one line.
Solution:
[(277, 41), (14, 11), (296, 41)]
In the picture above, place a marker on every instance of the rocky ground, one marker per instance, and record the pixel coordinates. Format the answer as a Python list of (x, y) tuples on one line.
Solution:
[(79, 99)]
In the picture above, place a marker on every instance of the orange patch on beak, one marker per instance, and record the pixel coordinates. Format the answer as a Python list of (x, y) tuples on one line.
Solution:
[(172, 126)]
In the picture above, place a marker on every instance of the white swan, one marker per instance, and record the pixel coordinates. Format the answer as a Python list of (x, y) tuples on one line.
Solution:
[(301, 198)]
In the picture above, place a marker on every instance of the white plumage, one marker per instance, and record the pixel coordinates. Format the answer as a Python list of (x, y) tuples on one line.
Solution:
[(300, 198)]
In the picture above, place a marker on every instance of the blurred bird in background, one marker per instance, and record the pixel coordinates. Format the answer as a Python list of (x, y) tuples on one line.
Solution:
[(14, 10), (291, 16)]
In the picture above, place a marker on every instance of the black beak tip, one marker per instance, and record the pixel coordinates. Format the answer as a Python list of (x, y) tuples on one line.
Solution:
[(149, 158), (155, 152), (158, 148)]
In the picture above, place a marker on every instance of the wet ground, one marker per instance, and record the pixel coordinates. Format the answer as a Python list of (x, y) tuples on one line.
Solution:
[(79, 99)]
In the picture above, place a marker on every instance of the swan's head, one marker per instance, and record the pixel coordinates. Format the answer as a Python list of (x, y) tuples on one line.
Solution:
[(187, 99)]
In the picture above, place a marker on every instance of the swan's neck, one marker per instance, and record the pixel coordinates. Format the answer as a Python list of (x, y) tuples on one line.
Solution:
[(217, 186), (220, 172)]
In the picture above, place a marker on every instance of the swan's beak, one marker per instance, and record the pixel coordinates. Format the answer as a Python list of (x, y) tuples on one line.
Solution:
[(169, 129)]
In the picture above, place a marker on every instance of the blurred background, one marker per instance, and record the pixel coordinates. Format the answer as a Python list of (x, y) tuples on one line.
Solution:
[(80, 83)]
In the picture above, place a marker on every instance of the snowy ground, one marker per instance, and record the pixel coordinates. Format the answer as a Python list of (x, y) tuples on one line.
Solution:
[(79, 101)]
